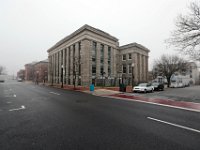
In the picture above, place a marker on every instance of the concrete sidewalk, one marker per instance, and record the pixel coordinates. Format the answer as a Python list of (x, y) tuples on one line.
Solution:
[(103, 92)]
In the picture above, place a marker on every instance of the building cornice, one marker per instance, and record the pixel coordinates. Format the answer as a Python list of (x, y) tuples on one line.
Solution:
[(83, 28), (134, 45)]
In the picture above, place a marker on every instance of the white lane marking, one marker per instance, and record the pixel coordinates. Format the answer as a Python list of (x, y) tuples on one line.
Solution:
[(9, 102), (14, 95), (22, 107), (175, 125), (54, 93)]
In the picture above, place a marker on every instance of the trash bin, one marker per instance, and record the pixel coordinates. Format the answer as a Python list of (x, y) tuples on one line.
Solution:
[(91, 87), (122, 88)]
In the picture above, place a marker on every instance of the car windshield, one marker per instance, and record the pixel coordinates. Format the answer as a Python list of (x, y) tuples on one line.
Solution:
[(143, 84), (155, 83)]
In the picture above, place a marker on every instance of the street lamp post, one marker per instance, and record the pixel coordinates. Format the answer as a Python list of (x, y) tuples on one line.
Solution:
[(103, 82), (132, 75), (37, 77), (62, 76)]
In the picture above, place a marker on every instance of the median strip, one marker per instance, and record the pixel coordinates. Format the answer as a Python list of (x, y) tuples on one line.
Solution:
[(175, 125)]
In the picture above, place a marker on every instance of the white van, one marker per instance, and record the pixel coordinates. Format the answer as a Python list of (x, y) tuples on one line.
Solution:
[(2, 78), (179, 81)]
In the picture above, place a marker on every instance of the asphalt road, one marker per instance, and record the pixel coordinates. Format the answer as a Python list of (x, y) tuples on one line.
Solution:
[(42, 118)]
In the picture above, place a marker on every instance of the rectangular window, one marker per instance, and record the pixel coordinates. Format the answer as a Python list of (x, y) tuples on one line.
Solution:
[(129, 56), (102, 58), (109, 70), (69, 54), (109, 52), (94, 51), (61, 57), (124, 68), (102, 52), (124, 57), (101, 69), (109, 61), (65, 56), (58, 66), (129, 68), (93, 69)]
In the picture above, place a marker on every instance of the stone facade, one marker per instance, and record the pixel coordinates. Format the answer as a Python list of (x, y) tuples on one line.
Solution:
[(29, 71), (21, 74), (90, 55)]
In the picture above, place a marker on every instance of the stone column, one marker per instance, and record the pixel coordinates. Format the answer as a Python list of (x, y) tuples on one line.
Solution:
[(71, 64), (144, 66), (49, 66), (114, 72), (56, 68), (112, 62), (147, 67), (140, 66), (86, 61), (64, 66), (136, 70), (53, 67), (98, 52), (67, 65), (106, 59), (76, 63), (59, 66)]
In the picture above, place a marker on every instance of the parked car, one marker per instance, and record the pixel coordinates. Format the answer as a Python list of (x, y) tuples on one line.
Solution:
[(2, 78), (158, 86), (143, 87), (19, 79)]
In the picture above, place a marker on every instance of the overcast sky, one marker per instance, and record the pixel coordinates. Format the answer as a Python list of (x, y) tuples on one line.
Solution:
[(29, 27)]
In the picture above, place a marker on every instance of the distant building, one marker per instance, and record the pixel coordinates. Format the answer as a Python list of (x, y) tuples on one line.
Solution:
[(90, 55), (21, 74), (29, 71), (41, 71), (193, 72)]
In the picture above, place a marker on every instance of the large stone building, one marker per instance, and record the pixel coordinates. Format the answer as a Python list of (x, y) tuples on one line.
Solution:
[(90, 55)]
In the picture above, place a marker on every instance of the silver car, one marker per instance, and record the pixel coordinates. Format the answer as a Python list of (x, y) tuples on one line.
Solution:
[(143, 87)]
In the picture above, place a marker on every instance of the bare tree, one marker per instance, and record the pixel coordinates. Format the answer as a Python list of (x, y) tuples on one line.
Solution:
[(167, 65), (186, 36)]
